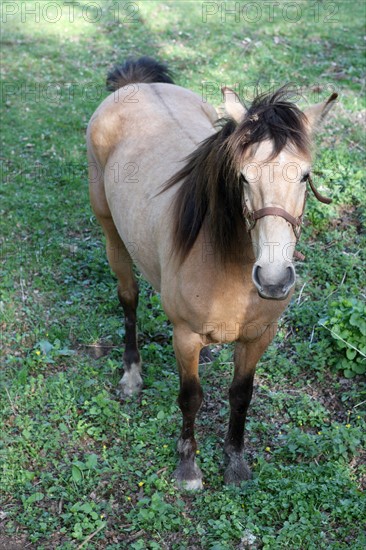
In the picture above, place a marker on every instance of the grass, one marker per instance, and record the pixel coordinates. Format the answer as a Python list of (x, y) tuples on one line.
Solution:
[(81, 469)]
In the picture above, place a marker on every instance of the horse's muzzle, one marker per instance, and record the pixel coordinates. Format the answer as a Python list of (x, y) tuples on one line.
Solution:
[(273, 288)]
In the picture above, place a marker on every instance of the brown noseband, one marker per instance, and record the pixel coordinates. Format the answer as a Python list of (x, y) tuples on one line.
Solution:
[(251, 217)]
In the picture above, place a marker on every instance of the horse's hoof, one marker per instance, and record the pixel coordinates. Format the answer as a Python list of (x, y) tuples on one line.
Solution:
[(190, 484), (236, 472), (131, 381), (188, 477)]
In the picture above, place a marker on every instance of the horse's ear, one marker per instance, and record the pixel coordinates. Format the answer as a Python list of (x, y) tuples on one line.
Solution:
[(232, 105), (316, 113)]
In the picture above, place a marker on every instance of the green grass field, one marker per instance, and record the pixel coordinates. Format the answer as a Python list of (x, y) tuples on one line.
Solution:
[(79, 468)]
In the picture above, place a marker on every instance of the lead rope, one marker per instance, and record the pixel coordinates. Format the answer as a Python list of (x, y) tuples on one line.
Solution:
[(321, 198)]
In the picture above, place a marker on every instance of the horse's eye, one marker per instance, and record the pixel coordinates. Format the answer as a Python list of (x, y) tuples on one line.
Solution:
[(305, 178)]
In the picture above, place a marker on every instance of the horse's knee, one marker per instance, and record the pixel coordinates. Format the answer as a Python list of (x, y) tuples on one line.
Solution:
[(190, 397), (128, 297), (240, 395)]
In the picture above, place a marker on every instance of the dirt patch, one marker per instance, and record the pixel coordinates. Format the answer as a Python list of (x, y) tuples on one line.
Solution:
[(14, 543), (347, 215)]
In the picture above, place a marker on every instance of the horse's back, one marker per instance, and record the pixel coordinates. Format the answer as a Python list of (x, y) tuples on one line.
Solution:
[(139, 136), (137, 113)]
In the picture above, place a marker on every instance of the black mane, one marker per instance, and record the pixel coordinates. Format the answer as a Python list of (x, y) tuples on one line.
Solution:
[(275, 118)]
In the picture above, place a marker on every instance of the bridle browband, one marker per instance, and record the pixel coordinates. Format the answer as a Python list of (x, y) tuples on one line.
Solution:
[(251, 217)]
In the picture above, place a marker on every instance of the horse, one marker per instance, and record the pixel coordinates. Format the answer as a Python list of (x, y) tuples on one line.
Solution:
[(210, 212)]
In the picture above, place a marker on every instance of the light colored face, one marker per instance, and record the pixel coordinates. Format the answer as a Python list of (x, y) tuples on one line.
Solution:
[(277, 183), (281, 183)]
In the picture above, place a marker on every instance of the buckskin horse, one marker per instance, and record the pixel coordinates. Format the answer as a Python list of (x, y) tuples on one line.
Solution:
[(214, 211)]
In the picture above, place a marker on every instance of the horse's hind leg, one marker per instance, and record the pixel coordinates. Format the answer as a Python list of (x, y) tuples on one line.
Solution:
[(121, 264)]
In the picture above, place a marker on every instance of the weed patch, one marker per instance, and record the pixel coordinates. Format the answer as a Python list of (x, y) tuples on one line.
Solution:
[(79, 467)]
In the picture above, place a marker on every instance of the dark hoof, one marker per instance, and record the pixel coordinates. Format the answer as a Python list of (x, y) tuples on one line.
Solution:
[(188, 476), (237, 471)]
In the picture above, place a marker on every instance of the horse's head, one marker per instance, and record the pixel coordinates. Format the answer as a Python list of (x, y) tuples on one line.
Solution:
[(272, 150)]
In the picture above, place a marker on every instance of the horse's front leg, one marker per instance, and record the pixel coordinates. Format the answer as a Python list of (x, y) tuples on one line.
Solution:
[(245, 360), (187, 347)]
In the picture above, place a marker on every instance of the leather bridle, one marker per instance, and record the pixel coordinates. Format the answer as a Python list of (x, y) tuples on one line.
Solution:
[(251, 217)]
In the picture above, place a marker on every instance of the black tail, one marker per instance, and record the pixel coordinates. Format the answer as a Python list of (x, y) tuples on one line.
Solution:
[(144, 69)]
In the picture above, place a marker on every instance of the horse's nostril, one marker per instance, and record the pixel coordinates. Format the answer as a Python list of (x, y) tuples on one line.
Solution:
[(256, 278), (273, 285), (290, 278)]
